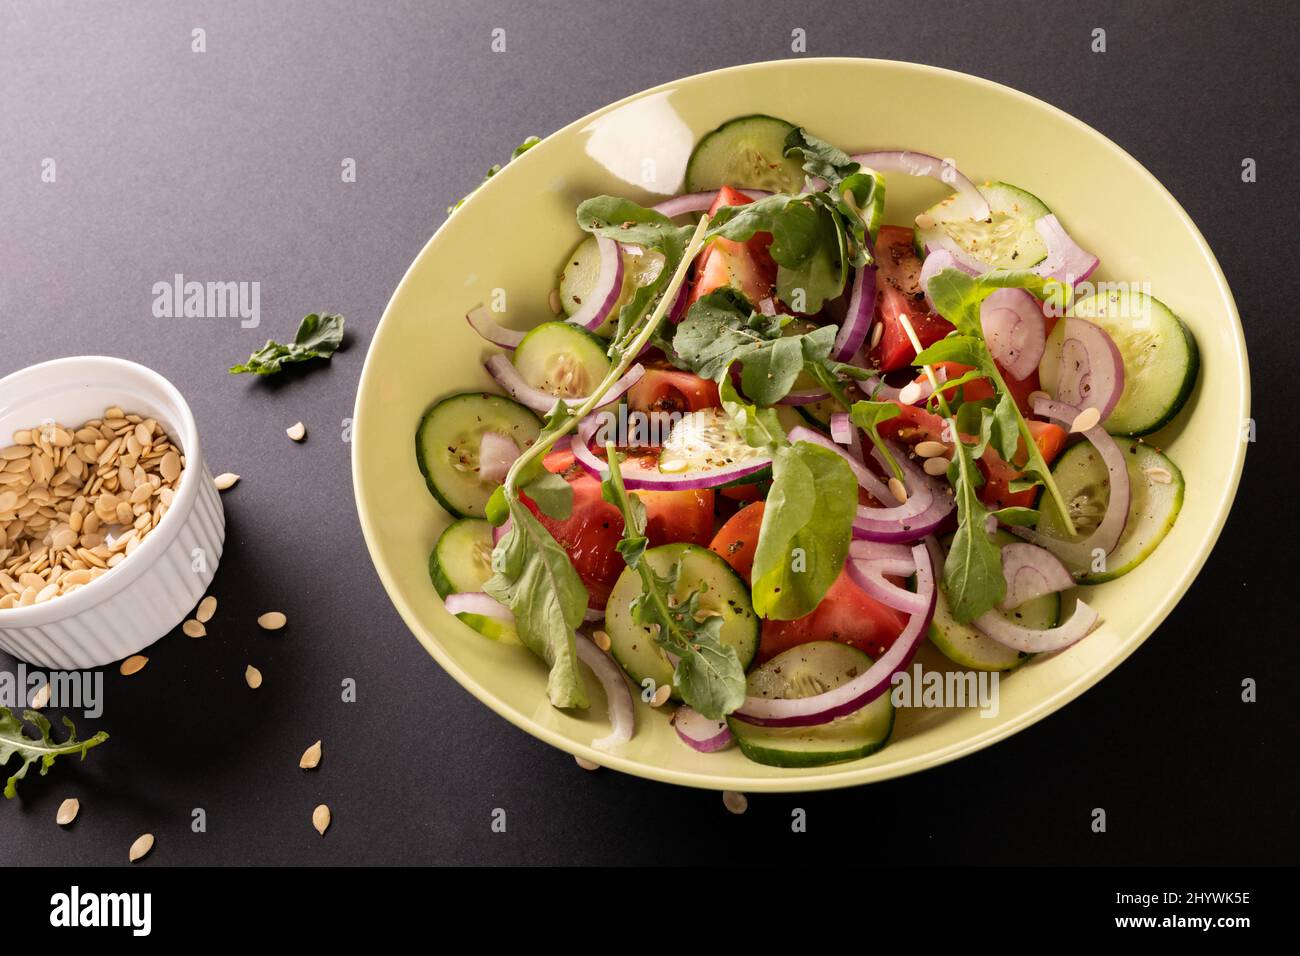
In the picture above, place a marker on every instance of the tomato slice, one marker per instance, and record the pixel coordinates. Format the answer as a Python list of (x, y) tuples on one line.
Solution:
[(998, 475), (898, 293), (745, 266), (591, 533), (737, 540), (672, 390), (846, 614)]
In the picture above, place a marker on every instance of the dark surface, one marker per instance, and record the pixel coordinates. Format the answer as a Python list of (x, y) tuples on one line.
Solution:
[(225, 165)]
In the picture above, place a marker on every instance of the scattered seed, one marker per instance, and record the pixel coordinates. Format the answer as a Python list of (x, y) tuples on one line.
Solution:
[(897, 489), (320, 819), (225, 480), (601, 640), (252, 677), (876, 334), (67, 811), (42, 697), (297, 431), (925, 221), (910, 393), (133, 665), (1155, 473), (931, 449), (141, 847), (553, 300), (662, 693), (271, 621), (310, 758), (193, 628), (1036, 395), (207, 608), (935, 466), (1088, 418), (672, 465), (737, 803), (584, 763)]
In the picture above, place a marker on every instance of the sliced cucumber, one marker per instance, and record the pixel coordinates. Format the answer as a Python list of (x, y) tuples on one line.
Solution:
[(802, 672), (1154, 503), (747, 152), (1006, 239), (1160, 358), (707, 440), (460, 562), (583, 265), (447, 443), (563, 359), (723, 592), (964, 645)]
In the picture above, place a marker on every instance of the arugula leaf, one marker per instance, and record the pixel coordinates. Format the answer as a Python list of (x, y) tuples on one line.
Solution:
[(868, 415), (820, 158), (857, 193), (30, 750), (1024, 517), (972, 573), (708, 674), (534, 577), (721, 328), (318, 336), (759, 427), (552, 494), (519, 150)]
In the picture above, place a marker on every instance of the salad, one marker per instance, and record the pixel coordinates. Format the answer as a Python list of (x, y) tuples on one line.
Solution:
[(774, 443)]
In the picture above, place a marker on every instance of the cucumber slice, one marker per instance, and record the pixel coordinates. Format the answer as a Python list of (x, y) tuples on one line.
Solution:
[(633, 645), (964, 645), (582, 267), (707, 440), (1007, 239), (747, 152), (563, 359), (447, 442), (460, 562), (802, 672), (1160, 358), (1153, 503)]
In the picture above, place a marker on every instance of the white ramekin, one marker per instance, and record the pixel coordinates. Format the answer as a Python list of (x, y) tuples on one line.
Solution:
[(153, 590)]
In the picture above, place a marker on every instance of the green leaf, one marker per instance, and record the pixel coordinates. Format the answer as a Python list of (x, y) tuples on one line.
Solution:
[(519, 150), (807, 525), (318, 336), (868, 416), (32, 750), (972, 573), (964, 349), (957, 296), (1024, 517), (708, 675), (552, 494), (819, 158), (535, 579), (722, 328), (760, 427), (1007, 432)]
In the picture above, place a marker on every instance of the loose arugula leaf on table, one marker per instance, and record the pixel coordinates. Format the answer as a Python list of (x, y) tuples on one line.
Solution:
[(807, 520), (532, 574), (318, 336), (519, 150), (43, 749), (708, 674), (957, 297)]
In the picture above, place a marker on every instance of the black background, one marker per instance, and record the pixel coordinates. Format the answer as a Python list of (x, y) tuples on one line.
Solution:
[(226, 165)]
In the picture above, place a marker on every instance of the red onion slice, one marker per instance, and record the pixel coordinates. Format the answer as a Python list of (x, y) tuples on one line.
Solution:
[(697, 202), (638, 478), (841, 428), (857, 323), (496, 453), (508, 377), (1033, 641), (698, 732), (1031, 572), (1091, 370), (1065, 260), (606, 289), (867, 566), (1013, 326), (618, 698), (477, 602), (1108, 531), (481, 321), (867, 686), (923, 164)]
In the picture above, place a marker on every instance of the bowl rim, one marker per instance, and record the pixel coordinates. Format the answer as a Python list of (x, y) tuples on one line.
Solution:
[(814, 779), (96, 592)]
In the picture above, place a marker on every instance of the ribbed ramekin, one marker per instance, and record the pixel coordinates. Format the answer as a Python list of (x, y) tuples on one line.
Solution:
[(153, 590)]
